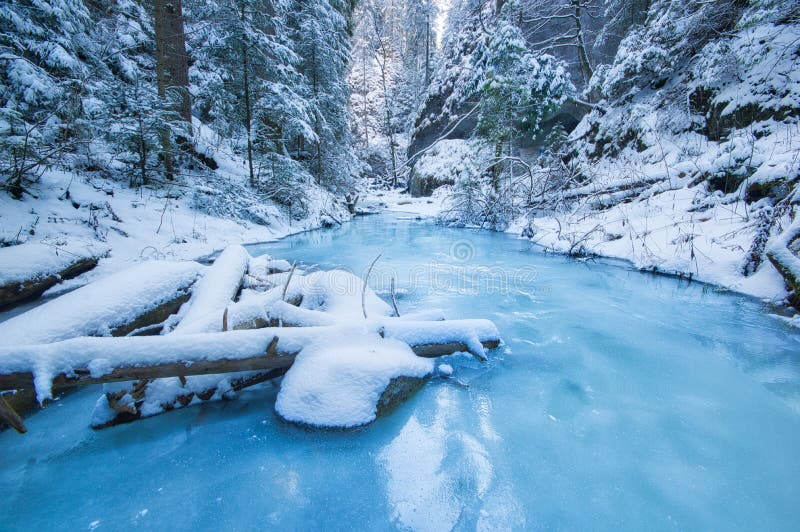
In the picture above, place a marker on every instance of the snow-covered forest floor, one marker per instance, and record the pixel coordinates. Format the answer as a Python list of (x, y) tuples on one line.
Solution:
[(71, 215)]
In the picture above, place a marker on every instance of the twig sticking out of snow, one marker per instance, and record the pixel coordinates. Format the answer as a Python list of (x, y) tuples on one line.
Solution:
[(394, 301), (288, 280), (364, 288), (10, 417), (286, 287)]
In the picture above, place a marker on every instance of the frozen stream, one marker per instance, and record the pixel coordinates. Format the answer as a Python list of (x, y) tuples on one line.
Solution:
[(623, 401)]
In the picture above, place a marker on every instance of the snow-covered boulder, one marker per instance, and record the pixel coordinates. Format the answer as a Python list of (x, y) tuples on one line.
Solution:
[(343, 382)]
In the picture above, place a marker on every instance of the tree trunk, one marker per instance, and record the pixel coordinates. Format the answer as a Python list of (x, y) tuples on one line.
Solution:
[(498, 153), (427, 49), (248, 111), (586, 66), (172, 68)]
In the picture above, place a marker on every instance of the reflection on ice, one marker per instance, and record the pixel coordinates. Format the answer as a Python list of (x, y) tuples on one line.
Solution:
[(438, 475)]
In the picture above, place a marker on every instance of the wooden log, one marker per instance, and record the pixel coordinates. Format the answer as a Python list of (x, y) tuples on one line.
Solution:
[(10, 417), (438, 350), (786, 262), (282, 358), (144, 324), (399, 390), (18, 292), (127, 413), (184, 368)]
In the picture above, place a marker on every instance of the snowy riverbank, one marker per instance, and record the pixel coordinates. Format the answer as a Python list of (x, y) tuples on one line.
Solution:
[(77, 215), (649, 237)]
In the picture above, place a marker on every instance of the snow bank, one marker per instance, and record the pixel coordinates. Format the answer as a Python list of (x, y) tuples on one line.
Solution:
[(783, 257), (338, 384), (36, 260), (98, 308)]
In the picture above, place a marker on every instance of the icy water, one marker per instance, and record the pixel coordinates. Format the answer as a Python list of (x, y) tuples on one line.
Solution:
[(621, 400)]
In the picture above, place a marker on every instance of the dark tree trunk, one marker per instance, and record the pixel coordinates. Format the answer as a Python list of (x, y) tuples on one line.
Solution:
[(172, 68), (248, 110)]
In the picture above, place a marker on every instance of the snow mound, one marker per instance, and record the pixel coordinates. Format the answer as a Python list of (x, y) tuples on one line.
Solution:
[(265, 265), (339, 293), (339, 384), (100, 307)]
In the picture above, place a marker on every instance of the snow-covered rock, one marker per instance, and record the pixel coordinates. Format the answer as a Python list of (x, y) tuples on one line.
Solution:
[(339, 384)]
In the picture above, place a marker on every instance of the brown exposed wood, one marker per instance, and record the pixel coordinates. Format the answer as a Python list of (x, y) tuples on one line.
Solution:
[(143, 324), (438, 350), (172, 61), (273, 359), (12, 294), (399, 390), (82, 377), (10, 417)]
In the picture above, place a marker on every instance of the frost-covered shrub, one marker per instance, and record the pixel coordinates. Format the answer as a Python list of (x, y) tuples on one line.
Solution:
[(226, 199), (475, 202), (285, 182), (447, 162)]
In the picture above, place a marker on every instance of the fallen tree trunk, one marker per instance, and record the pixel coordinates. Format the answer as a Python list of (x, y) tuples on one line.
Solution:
[(91, 360), (187, 367), (131, 297), (16, 292), (131, 302), (182, 368), (786, 262), (10, 417), (207, 312)]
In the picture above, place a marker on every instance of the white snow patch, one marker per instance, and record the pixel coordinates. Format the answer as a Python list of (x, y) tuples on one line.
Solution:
[(337, 382)]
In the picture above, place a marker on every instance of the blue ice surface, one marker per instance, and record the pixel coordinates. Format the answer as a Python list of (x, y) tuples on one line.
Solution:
[(621, 400)]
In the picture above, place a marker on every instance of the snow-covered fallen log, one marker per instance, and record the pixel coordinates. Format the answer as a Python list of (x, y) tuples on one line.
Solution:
[(115, 305), (356, 358), (785, 261), (214, 291), (207, 312), (91, 360), (28, 270), (321, 298)]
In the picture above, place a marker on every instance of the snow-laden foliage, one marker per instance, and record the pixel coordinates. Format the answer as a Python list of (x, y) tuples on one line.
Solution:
[(394, 52), (79, 91), (510, 89), (516, 88)]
